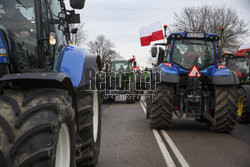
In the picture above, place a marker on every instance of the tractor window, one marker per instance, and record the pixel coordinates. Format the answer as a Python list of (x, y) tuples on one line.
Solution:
[(239, 64), (119, 67), (189, 52), (60, 38), (50, 10), (55, 9), (47, 28), (17, 18)]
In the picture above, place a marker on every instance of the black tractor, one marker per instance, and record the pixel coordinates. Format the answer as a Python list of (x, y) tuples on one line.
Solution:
[(49, 103)]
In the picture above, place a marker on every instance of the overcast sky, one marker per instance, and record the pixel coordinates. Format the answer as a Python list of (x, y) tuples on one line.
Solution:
[(120, 20)]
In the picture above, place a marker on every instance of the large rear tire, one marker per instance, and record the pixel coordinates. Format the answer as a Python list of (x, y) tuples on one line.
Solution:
[(224, 116), (37, 128), (162, 107)]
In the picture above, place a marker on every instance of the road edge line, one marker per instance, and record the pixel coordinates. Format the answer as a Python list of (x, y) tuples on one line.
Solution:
[(175, 150), (166, 155)]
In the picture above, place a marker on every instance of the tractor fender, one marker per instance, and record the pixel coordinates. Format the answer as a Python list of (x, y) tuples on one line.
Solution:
[(41, 80), (75, 62), (247, 91), (231, 79), (159, 76)]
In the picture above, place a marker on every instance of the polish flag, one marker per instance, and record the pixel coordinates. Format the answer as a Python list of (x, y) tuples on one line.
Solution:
[(151, 33)]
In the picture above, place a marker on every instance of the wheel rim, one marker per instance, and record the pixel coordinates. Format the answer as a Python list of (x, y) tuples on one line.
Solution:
[(95, 115), (63, 147), (240, 106)]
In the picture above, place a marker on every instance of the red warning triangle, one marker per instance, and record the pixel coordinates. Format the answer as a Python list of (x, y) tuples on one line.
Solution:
[(194, 72)]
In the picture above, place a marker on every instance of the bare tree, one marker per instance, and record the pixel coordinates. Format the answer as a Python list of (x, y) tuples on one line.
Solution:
[(117, 56), (103, 47), (210, 19), (81, 36)]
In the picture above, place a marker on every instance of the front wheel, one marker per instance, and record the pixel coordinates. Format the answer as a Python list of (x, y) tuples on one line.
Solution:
[(37, 128), (89, 134)]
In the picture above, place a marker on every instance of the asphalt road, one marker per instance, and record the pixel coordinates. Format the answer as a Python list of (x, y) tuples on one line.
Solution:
[(127, 140)]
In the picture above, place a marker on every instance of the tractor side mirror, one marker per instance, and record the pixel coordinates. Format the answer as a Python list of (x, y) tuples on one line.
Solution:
[(74, 30), (154, 51), (77, 4), (161, 55)]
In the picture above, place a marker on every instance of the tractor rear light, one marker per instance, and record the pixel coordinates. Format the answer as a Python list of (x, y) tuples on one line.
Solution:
[(221, 66), (240, 75), (167, 64)]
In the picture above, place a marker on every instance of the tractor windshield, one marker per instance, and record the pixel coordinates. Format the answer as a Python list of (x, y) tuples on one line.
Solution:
[(17, 19), (119, 66), (189, 52), (239, 64)]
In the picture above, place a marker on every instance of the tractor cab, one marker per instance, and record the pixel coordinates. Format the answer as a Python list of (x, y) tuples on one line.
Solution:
[(240, 63), (185, 50), (193, 50), (120, 66), (32, 33)]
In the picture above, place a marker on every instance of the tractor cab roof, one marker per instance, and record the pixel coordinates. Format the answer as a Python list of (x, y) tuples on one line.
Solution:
[(193, 35), (119, 61)]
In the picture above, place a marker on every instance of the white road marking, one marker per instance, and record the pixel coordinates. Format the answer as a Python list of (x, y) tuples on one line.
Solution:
[(175, 150), (143, 106), (168, 159)]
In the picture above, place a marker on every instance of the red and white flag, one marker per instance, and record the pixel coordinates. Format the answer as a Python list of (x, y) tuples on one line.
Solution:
[(151, 33)]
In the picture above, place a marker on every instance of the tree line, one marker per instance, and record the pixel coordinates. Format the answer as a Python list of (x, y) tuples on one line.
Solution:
[(100, 46)]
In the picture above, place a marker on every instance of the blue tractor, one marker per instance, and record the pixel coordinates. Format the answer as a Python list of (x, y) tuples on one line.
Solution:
[(49, 103), (191, 82)]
